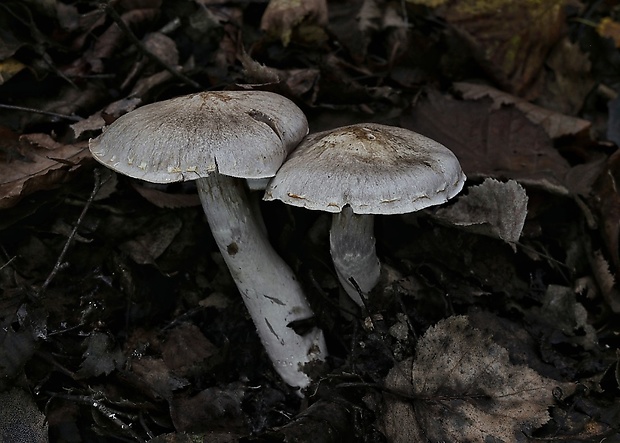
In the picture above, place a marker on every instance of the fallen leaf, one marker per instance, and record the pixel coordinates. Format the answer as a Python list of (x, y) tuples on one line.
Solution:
[(608, 28), (510, 39), (153, 240), (38, 163), (568, 80), (563, 313), (9, 68), (101, 356), (157, 376), (186, 349), (556, 125), (427, 3), (493, 208), (489, 141), (163, 199), (211, 409), (111, 112), (282, 17), (462, 387)]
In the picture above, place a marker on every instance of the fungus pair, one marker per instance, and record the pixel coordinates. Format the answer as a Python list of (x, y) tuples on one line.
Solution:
[(221, 138)]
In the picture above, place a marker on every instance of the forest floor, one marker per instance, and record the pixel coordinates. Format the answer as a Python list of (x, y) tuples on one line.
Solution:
[(497, 316)]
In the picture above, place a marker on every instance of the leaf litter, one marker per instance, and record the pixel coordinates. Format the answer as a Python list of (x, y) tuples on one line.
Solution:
[(496, 316)]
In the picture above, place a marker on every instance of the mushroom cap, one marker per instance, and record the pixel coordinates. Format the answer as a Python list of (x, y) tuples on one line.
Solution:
[(245, 134), (375, 169)]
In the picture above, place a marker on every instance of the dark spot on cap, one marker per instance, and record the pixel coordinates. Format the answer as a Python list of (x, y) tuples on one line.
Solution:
[(232, 248)]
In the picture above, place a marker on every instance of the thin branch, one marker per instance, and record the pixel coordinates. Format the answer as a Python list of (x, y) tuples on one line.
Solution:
[(60, 262), (74, 118), (136, 41)]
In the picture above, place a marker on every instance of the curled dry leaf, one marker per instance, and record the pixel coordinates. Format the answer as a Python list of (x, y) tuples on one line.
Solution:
[(111, 112), (462, 387), (36, 163), (493, 208), (556, 125)]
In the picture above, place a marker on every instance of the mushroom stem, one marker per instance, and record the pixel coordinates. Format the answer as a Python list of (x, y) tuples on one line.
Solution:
[(352, 246), (270, 291)]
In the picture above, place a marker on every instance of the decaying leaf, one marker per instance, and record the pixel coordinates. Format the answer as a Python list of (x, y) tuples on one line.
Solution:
[(186, 349), (493, 208), (101, 356), (490, 142), (20, 419), (561, 310), (282, 16), (210, 410), (428, 3), (38, 162), (510, 39), (462, 387), (568, 81), (154, 239), (556, 125), (9, 68), (158, 376), (608, 28)]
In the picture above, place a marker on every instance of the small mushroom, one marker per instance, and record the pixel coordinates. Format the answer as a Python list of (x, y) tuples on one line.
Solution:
[(360, 170), (218, 139)]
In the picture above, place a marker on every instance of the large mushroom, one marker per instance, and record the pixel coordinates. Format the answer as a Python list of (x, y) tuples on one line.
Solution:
[(219, 139), (360, 170)]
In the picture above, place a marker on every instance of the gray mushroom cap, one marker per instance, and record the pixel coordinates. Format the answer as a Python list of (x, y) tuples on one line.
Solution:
[(375, 169), (244, 134)]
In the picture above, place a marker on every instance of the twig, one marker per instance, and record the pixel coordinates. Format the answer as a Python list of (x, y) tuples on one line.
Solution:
[(74, 118), (136, 41), (59, 263)]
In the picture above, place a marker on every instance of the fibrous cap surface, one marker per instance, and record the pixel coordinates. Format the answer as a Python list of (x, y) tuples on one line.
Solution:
[(375, 169), (245, 134)]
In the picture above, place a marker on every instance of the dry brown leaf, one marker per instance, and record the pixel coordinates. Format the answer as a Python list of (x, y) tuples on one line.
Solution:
[(556, 125), (608, 28), (606, 201), (38, 163), (605, 279), (154, 240), (428, 3), (510, 39), (113, 111), (568, 81), (493, 208), (157, 376), (490, 142), (561, 309), (462, 387), (282, 16), (163, 199), (9, 68), (186, 348)]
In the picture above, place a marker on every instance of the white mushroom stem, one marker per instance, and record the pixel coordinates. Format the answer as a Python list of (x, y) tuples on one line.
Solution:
[(352, 246), (271, 293)]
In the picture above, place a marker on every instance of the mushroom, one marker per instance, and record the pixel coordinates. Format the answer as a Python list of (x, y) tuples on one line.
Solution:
[(218, 139), (360, 170)]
